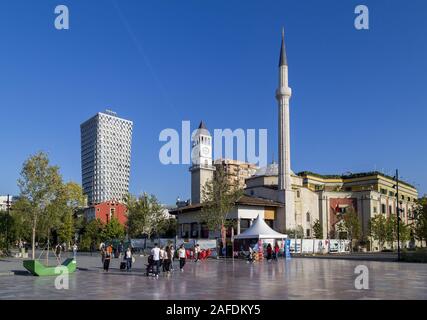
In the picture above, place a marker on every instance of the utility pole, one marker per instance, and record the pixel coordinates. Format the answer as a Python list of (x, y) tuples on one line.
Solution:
[(397, 214)]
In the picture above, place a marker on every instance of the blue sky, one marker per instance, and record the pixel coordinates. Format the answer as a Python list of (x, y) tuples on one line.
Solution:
[(359, 97)]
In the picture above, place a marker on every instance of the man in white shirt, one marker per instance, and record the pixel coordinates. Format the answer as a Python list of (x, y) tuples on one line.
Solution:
[(182, 255), (155, 252), (196, 253)]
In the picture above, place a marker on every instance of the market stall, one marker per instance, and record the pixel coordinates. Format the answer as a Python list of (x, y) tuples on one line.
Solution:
[(258, 236)]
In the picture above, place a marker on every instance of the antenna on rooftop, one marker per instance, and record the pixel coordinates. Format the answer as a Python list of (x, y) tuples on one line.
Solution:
[(110, 112)]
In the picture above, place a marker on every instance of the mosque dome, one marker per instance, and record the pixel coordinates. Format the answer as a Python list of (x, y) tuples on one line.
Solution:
[(271, 170)]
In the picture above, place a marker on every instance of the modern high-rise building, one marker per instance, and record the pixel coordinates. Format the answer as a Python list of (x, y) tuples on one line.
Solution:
[(105, 156)]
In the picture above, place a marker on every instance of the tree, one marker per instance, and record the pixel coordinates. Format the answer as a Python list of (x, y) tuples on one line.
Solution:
[(113, 230), (419, 226), (377, 228), (146, 216), (66, 229), (298, 232), (390, 227), (3, 227), (317, 229), (21, 222), (92, 234), (73, 199), (168, 227), (219, 197), (404, 232), (38, 184), (352, 225)]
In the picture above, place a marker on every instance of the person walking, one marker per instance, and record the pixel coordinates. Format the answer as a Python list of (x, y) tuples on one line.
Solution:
[(107, 260), (128, 258), (58, 250), (103, 252), (196, 253), (120, 250), (75, 251), (276, 251), (269, 252), (182, 256), (172, 257), (167, 259), (162, 258), (155, 252)]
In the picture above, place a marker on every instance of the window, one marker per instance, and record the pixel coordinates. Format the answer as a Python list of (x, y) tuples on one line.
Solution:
[(298, 194), (308, 216), (383, 191), (390, 209), (375, 209), (391, 193), (383, 208), (307, 232)]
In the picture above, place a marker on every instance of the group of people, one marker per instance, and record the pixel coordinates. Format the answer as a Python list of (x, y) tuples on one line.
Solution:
[(164, 257), (60, 248), (160, 258), (272, 253)]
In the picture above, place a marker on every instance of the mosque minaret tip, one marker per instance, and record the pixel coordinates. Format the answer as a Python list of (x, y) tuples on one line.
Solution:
[(283, 95)]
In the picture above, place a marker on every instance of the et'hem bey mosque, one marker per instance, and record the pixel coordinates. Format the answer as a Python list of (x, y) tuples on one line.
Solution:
[(285, 200)]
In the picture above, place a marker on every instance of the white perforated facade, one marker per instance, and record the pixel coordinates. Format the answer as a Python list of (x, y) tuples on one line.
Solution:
[(105, 156)]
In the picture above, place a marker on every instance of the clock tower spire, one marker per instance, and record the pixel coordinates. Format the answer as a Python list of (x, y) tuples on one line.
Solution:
[(201, 158)]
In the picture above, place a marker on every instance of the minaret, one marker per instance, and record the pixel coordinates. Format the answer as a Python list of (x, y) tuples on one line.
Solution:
[(283, 95)]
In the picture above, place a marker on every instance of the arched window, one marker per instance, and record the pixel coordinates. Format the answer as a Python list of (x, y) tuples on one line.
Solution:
[(308, 216)]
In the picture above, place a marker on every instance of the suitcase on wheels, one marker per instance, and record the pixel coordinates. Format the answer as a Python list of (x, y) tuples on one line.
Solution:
[(122, 265)]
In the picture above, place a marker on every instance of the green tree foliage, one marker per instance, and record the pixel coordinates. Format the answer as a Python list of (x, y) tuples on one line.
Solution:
[(352, 224), (21, 224), (391, 227), (71, 201), (92, 234), (113, 230), (298, 232), (46, 204), (317, 229), (420, 220), (38, 184), (3, 227), (377, 229), (219, 196), (169, 227), (385, 230), (145, 216)]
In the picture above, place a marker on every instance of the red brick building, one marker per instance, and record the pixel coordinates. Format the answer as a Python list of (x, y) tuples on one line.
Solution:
[(106, 211)]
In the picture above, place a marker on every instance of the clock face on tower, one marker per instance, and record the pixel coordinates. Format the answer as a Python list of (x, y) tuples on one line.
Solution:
[(205, 151)]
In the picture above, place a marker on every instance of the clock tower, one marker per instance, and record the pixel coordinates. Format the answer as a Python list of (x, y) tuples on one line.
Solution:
[(201, 158)]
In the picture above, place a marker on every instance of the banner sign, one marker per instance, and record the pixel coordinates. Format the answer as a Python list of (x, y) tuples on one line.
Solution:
[(288, 249)]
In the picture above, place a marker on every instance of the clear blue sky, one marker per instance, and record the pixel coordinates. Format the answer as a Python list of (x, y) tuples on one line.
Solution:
[(357, 95)]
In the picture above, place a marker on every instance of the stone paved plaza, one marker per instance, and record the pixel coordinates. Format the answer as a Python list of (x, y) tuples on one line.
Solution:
[(298, 278)]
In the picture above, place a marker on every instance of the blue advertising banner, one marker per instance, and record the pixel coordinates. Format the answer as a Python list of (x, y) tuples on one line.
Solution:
[(288, 249)]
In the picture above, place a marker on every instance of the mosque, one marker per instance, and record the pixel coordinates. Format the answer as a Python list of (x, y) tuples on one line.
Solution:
[(289, 201)]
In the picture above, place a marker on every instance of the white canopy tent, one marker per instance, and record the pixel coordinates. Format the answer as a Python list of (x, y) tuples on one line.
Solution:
[(260, 230)]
